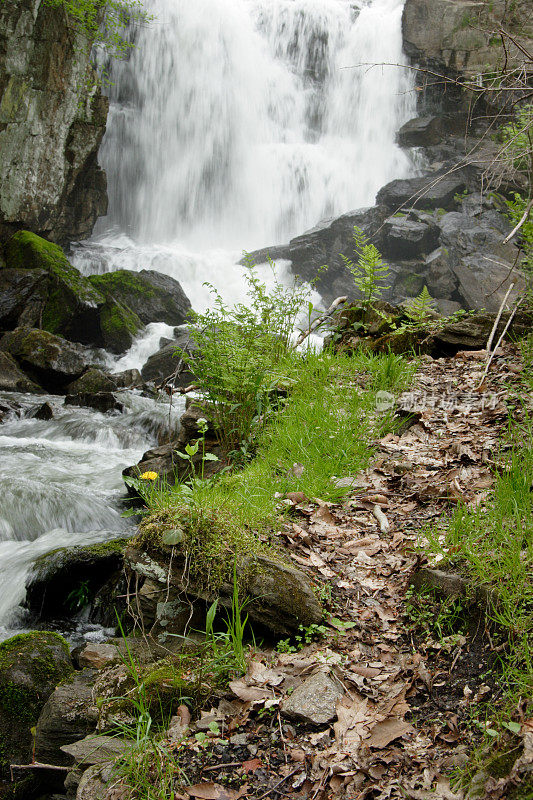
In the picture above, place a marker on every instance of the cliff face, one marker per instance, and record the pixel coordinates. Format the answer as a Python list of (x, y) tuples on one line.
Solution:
[(459, 35), (52, 119)]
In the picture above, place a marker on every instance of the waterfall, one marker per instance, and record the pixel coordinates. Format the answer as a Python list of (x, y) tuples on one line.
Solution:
[(236, 124)]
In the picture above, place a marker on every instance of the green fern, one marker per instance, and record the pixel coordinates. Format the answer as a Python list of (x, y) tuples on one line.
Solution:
[(419, 308), (368, 270)]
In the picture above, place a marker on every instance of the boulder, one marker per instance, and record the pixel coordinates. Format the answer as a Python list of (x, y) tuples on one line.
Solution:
[(153, 296), (65, 578), (163, 364), (99, 401), (96, 750), (43, 411), (406, 238), (280, 596), (93, 381), (50, 360), (69, 714), (128, 379), (98, 655), (431, 191), (31, 666), (94, 783), (23, 295), (421, 132), (314, 701), (52, 119), (62, 300), (12, 379), (119, 326)]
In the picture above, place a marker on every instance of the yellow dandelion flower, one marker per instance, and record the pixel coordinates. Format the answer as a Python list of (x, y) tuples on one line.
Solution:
[(149, 476)]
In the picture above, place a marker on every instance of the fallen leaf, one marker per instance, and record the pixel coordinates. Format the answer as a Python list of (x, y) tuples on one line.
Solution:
[(383, 733), (252, 765)]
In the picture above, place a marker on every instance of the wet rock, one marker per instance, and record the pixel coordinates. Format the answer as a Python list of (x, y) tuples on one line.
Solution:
[(53, 120), (31, 666), (406, 238), (86, 569), (99, 401), (23, 295), (421, 132), (280, 596), (431, 191), (96, 750), (12, 379), (50, 360), (314, 701), (93, 381), (129, 379), (68, 715), (63, 301), (163, 364), (119, 326), (152, 296), (44, 412)]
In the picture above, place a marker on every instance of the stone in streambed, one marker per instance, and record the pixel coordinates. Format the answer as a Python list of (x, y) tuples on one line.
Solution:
[(12, 379), (31, 666), (152, 296), (92, 381), (314, 701), (99, 401), (51, 360)]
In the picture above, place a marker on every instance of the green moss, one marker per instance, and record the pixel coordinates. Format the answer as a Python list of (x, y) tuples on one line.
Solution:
[(37, 652), (112, 283), (118, 325)]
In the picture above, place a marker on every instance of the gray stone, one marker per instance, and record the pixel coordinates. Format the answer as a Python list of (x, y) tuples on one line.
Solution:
[(96, 750), (421, 132), (49, 359), (68, 715), (99, 401), (163, 364), (129, 379), (52, 119), (314, 701), (98, 655), (92, 381), (12, 379), (431, 191), (406, 238), (153, 296), (94, 783), (440, 278)]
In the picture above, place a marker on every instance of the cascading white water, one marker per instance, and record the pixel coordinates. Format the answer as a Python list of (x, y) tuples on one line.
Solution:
[(236, 124)]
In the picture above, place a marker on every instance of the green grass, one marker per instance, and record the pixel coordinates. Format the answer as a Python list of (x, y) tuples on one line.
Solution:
[(327, 429)]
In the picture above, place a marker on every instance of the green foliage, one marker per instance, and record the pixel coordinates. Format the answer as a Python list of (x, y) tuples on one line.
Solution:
[(419, 308), (306, 634), (103, 22), (78, 597), (518, 140), (516, 209), (243, 356), (430, 615), (368, 270)]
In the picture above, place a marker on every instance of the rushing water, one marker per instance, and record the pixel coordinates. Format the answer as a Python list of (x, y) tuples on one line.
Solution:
[(236, 124), (61, 482), (233, 124)]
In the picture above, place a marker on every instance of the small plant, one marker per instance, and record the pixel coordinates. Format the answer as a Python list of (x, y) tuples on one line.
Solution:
[(78, 597), (420, 308), (368, 271), (306, 634)]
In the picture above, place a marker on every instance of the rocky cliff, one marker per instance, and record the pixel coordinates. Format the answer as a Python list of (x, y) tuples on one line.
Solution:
[(52, 119)]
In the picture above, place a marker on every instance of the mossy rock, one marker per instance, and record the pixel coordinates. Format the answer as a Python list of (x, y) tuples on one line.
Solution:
[(72, 305), (69, 577), (31, 666), (152, 296), (118, 326), (49, 360), (93, 381)]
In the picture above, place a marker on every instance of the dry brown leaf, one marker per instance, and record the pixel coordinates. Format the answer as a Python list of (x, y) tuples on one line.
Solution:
[(250, 694), (383, 733)]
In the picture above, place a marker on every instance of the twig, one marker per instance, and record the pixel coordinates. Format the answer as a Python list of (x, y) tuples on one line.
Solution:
[(517, 227), (221, 766), (489, 362), (278, 784), (384, 524), (498, 317), (319, 320)]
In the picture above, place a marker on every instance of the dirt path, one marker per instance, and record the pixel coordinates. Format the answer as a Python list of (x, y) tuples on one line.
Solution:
[(372, 709)]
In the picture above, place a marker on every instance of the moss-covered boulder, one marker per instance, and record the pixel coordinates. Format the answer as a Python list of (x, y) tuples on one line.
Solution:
[(31, 666), (40, 288), (71, 577), (69, 305), (49, 360), (152, 296), (92, 381), (118, 326), (12, 379)]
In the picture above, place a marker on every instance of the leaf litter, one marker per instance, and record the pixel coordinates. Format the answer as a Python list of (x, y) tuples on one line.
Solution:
[(398, 726)]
